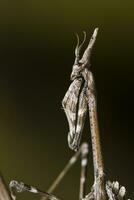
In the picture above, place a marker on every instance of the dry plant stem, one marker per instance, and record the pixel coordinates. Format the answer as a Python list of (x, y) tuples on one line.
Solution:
[(82, 151), (4, 193)]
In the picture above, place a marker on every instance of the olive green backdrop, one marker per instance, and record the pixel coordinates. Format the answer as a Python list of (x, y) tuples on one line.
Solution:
[(37, 44)]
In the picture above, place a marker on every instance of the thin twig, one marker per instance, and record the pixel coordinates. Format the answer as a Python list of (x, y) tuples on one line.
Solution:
[(4, 193)]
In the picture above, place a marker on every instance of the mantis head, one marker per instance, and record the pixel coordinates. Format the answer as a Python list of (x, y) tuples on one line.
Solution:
[(81, 63)]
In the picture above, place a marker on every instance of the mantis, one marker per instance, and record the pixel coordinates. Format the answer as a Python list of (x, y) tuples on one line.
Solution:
[(79, 99)]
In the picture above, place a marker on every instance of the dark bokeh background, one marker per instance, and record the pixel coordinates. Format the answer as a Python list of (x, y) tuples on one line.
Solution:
[(36, 55)]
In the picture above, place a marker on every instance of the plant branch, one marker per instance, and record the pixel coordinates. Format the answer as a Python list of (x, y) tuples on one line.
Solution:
[(4, 193)]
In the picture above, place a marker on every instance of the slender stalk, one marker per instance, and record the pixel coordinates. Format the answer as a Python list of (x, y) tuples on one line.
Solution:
[(4, 193)]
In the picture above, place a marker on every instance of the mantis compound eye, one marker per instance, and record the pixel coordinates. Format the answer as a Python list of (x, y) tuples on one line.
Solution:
[(76, 72)]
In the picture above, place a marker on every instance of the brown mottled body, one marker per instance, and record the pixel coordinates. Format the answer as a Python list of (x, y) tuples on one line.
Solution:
[(99, 182), (75, 105)]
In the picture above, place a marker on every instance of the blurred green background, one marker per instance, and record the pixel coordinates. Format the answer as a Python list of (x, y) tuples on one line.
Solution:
[(37, 44)]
